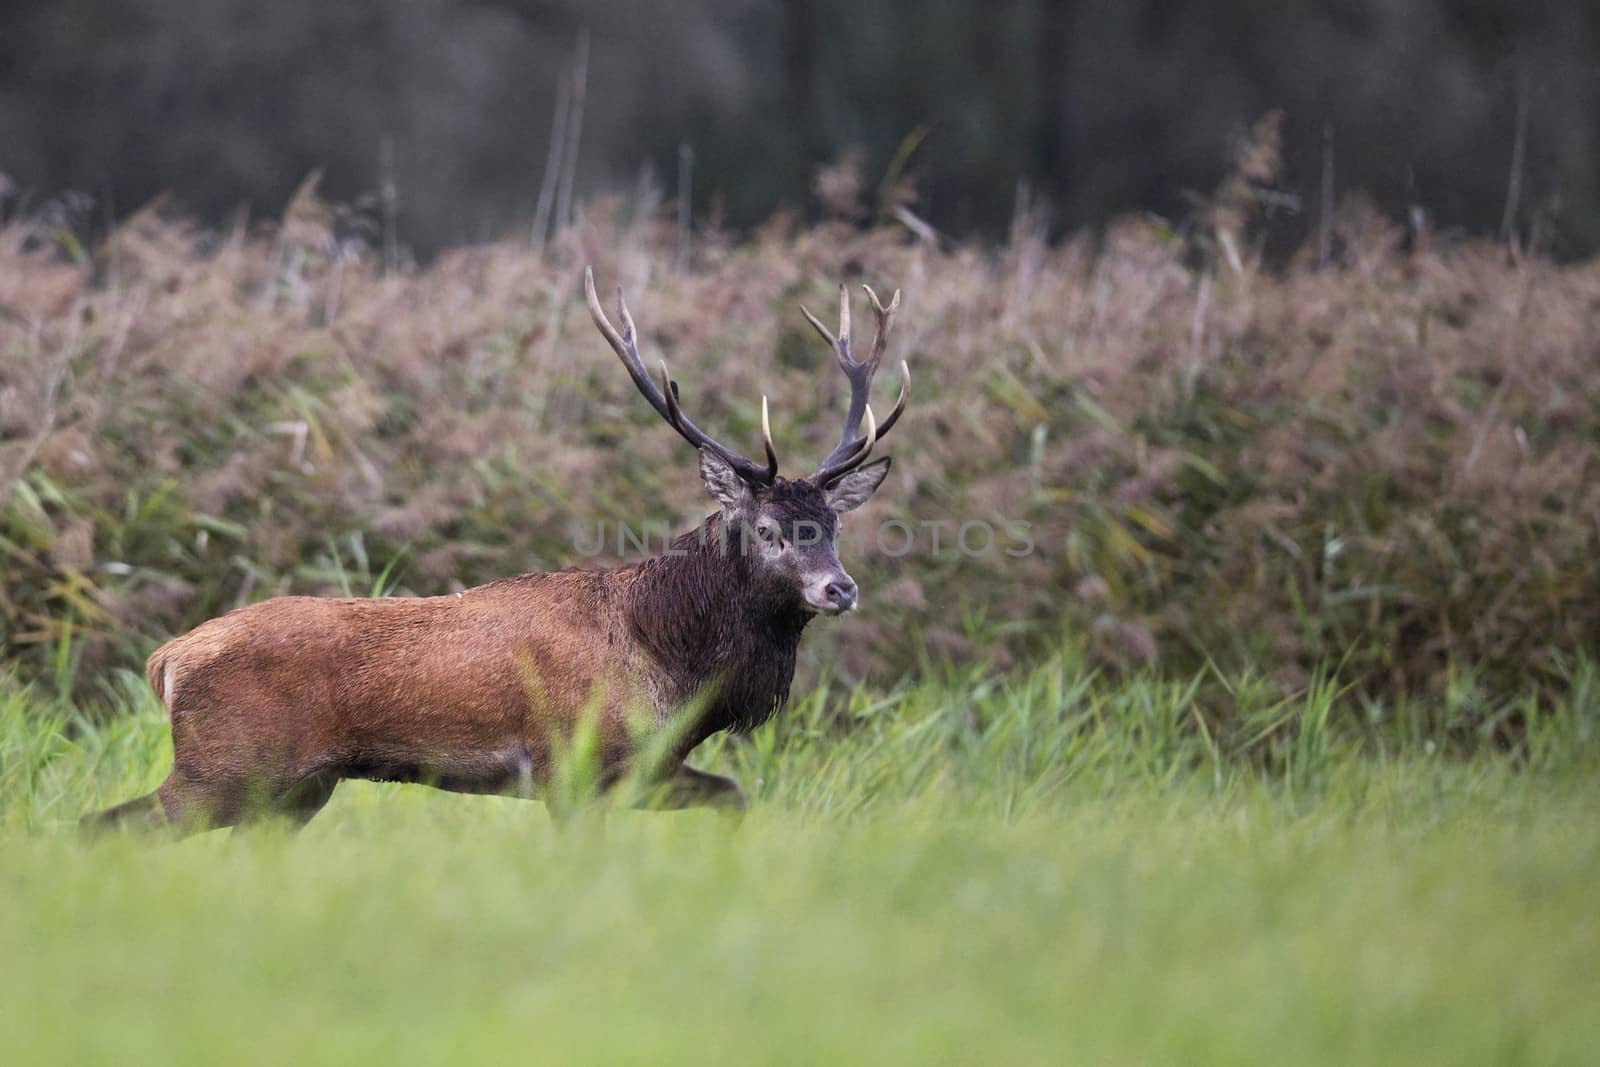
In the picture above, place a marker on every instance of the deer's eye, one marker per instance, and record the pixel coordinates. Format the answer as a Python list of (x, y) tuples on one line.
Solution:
[(768, 533)]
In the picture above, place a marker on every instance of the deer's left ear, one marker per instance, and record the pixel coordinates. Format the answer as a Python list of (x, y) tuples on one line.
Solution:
[(850, 491), (723, 482)]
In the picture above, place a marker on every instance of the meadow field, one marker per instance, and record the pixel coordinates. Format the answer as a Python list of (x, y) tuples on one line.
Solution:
[(1039, 867)]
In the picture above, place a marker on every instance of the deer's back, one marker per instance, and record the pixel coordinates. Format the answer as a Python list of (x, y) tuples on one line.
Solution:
[(473, 666)]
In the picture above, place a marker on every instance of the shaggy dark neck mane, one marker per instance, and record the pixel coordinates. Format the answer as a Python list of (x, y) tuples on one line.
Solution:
[(698, 612)]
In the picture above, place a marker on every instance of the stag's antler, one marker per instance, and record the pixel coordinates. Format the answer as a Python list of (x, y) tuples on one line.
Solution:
[(853, 450), (664, 398)]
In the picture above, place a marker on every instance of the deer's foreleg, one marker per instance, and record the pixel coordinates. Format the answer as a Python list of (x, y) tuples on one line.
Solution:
[(689, 788)]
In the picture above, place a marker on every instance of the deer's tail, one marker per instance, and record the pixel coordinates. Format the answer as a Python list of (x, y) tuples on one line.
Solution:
[(161, 670)]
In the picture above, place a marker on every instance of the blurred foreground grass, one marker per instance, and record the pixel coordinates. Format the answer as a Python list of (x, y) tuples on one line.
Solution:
[(1046, 868)]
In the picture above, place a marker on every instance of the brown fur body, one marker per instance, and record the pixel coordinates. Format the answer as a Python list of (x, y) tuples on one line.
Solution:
[(272, 704)]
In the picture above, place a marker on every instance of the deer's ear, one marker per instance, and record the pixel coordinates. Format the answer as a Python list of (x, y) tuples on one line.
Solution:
[(723, 482), (850, 491)]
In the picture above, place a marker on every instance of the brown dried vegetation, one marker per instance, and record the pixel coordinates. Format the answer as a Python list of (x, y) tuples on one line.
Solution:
[(1387, 464)]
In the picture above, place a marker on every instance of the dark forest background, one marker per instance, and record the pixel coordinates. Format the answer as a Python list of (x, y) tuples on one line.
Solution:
[(1095, 107)]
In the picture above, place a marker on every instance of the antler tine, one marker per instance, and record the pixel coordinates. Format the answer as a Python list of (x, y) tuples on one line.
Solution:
[(842, 349), (841, 343), (664, 397), (669, 389), (598, 314), (628, 330), (870, 439), (883, 312), (766, 437), (852, 450), (816, 324), (885, 317)]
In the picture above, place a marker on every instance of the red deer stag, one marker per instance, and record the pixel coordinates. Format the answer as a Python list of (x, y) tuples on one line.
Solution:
[(272, 704)]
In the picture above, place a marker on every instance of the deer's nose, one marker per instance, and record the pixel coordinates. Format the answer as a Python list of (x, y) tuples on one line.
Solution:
[(842, 593)]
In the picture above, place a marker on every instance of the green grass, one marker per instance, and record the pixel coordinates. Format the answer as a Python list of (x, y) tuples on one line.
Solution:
[(1051, 867)]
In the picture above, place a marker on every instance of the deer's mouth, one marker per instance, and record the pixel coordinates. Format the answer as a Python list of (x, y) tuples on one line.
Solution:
[(832, 596)]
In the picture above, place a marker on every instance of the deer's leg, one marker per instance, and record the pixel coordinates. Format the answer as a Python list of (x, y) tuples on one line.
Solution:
[(184, 804), (181, 806), (689, 788), (231, 782), (142, 813), (195, 803), (305, 798)]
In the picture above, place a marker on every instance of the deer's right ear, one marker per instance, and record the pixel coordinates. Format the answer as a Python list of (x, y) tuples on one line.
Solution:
[(850, 491), (723, 482)]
